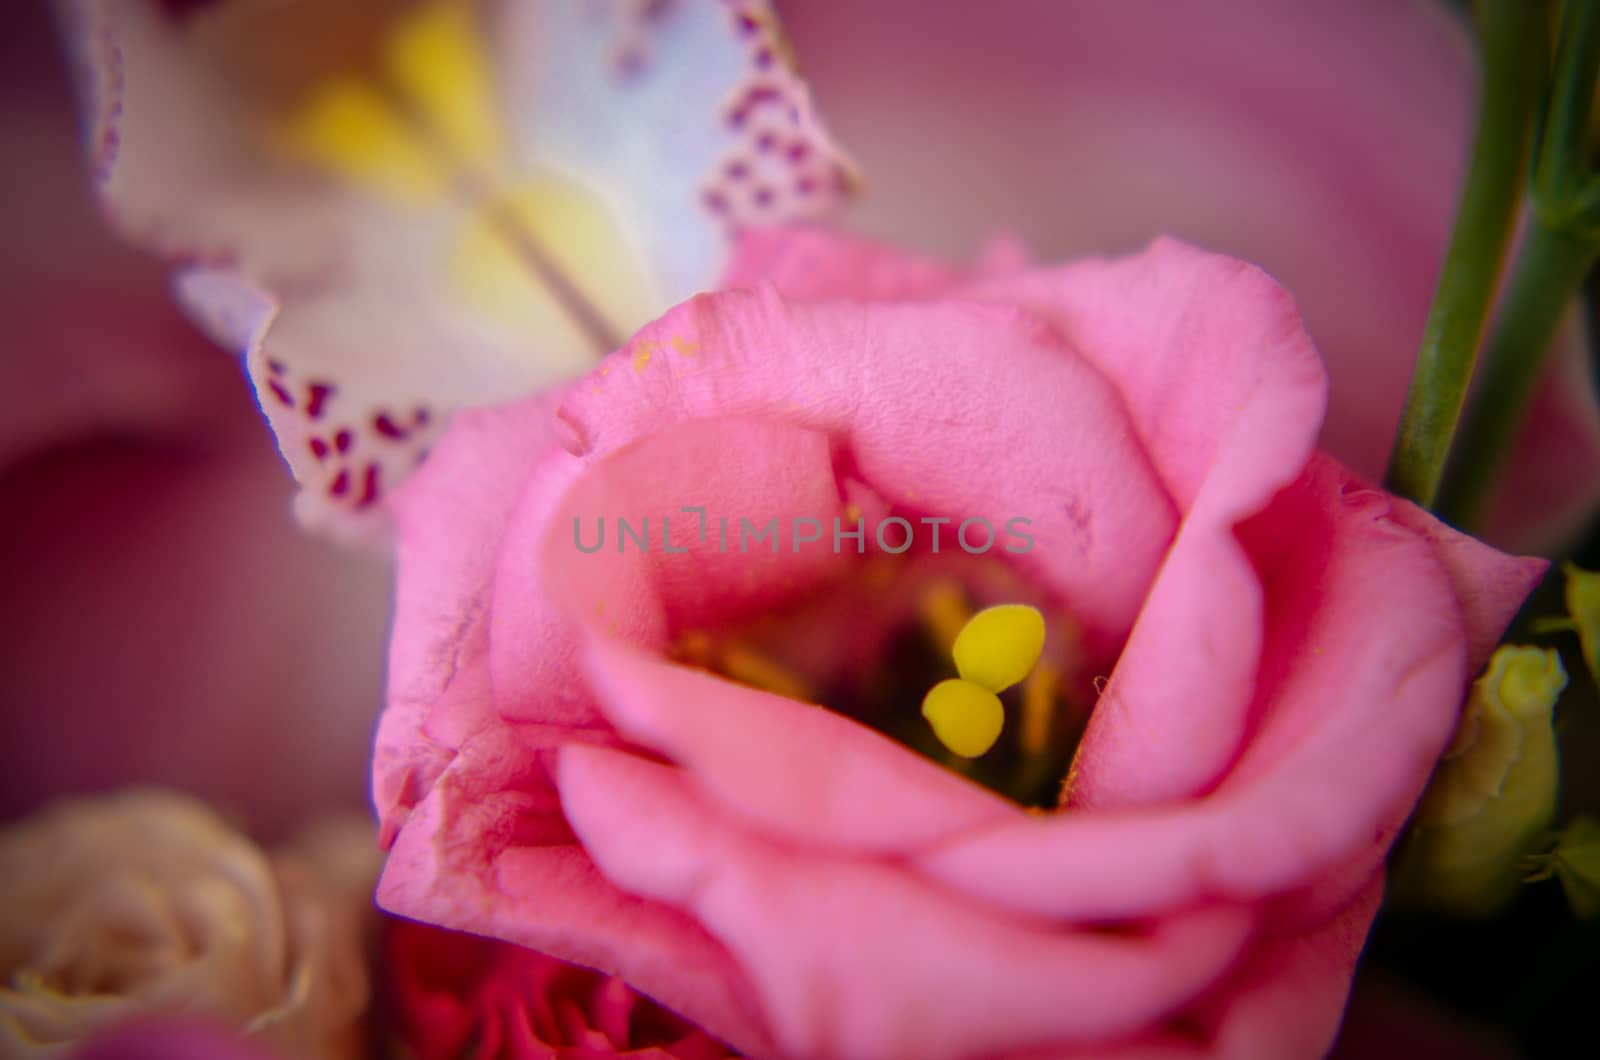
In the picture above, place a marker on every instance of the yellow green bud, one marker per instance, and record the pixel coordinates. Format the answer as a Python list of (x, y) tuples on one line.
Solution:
[(1583, 604), (1493, 792)]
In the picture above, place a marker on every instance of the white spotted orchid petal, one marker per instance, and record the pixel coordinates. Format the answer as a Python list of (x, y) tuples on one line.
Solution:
[(393, 209)]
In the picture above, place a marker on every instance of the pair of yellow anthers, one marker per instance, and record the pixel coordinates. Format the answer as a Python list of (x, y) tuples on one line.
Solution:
[(997, 648)]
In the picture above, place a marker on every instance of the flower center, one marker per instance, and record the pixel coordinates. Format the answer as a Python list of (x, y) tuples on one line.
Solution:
[(985, 693)]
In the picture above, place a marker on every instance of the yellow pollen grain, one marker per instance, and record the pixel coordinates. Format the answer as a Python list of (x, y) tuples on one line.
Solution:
[(966, 718), (684, 346), (999, 645)]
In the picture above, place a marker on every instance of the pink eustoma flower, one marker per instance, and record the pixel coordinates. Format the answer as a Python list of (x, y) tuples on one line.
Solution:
[(1274, 653), (455, 996)]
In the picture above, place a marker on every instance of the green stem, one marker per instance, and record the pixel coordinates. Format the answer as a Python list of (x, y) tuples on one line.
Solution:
[(1550, 269), (1562, 169), (1513, 38)]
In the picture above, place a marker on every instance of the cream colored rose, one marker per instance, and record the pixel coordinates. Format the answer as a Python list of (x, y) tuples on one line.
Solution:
[(146, 902)]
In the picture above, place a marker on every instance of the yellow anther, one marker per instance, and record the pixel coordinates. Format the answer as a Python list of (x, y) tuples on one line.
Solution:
[(434, 56), (350, 129), (999, 645), (966, 718), (944, 612)]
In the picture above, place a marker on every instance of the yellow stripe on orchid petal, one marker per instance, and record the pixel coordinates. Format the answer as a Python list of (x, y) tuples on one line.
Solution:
[(966, 718), (999, 645), (349, 128), (592, 287), (435, 59)]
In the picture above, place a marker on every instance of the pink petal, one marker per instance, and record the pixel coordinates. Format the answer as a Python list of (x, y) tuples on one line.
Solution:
[(859, 979), (919, 431), (1329, 706), (1289, 997), (486, 851), (1285, 999), (794, 770), (450, 524), (1225, 391), (545, 591)]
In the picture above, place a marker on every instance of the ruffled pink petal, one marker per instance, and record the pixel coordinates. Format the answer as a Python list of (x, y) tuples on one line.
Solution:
[(1489, 585), (1331, 704), (487, 851), (561, 580), (1225, 391), (1289, 997), (794, 770), (450, 524), (1285, 999), (859, 957), (1046, 440), (1221, 382)]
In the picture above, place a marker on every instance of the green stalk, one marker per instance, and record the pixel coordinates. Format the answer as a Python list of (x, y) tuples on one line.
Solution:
[(1512, 34), (1560, 246), (1550, 268)]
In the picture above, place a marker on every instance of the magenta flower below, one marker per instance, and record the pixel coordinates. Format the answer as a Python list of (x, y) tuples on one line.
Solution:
[(394, 210), (454, 996), (689, 752)]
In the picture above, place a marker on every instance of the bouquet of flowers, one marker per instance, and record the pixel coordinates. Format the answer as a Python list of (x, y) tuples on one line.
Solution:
[(923, 530)]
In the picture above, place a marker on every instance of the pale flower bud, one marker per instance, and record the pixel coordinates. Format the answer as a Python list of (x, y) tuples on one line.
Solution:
[(146, 903), (1492, 794)]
